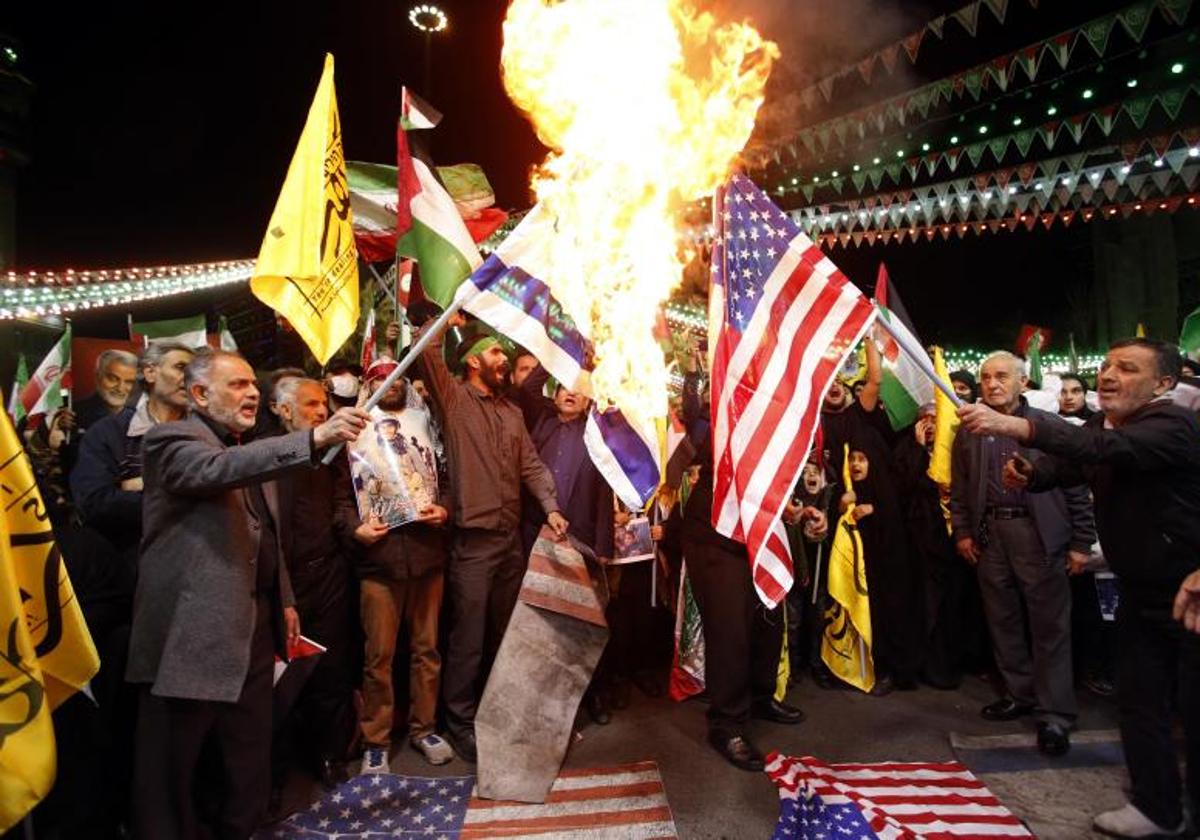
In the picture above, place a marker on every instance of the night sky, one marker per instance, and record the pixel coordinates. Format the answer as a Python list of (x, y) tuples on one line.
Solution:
[(161, 134)]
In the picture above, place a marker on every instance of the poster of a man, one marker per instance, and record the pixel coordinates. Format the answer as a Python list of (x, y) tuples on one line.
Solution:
[(393, 467)]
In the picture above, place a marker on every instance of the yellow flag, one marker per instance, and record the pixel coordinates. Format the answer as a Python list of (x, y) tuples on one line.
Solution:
[(307, 268), (846, 641), (1141, 330), (944, 429), (46, 652)]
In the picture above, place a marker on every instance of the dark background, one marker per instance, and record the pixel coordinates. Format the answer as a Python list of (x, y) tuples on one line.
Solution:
[(161, 133)]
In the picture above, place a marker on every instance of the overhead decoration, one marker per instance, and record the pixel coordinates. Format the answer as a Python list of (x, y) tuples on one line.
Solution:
[(36, 294), (1000, 71)]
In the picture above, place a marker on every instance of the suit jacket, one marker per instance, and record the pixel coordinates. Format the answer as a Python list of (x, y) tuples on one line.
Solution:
[(1063, 517), (194, 609)]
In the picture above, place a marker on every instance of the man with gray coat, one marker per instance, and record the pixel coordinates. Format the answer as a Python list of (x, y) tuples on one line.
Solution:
[(213, 603), (1023, 546)]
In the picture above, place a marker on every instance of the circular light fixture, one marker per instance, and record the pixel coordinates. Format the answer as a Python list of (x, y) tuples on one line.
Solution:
[(1132, 83), (1088, 93), (983, 129), (954, 138), (1177, 67), (1016, 121), (428, 18), (1051, 111), (924, 147)]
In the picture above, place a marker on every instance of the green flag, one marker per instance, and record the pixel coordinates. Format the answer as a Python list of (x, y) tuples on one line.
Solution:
[(1033, 354), (1189, 336), (16, 409)]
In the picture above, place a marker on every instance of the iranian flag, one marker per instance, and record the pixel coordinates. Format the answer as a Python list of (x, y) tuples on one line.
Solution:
[(368, 345), (191, 332), (44, 392), (905, 388)]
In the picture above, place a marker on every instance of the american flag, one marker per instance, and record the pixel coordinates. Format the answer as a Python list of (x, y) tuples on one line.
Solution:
[(625, 802), (785, 319), (890, 801)]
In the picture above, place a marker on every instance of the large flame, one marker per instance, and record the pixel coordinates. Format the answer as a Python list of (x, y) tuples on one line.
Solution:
[(645, 104)]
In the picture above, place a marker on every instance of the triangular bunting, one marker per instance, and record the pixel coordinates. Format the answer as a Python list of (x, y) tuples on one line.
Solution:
[(999, 147), (875, 176), (839, 131), (809, 139), (968, 16), (1049, 133), (1176, 159), (1161, 178), (866, 68), (870, 236), (826, 87), (893, 171), (1011, 223), (1025, 172), (1136, 19), (1063, 194), (1110, 189), (945, 231), (1130, 150), (1030, 220), (1105, 118), (1086, 191), (1075, 126), (1075, 162), (999, 8), (857, 237), (1172, 101), (937, 25), (999, 69), (1023, 140), (843, 238), (1002, 176), (929, 233), (1189, 175), (1022, 201), (912, 44), (859, 179), (981, 181), (888, 56), (1029, 59), (807, 189), (1097, 31), (994, 225), (1060, 47), (1160, 143), (1138, 109), (975, 152), (931, 163), (1135, 184), (1175, 10), (973, 81)]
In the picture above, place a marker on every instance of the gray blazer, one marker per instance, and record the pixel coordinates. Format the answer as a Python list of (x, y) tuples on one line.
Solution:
[(1063, 517), (194, 609)]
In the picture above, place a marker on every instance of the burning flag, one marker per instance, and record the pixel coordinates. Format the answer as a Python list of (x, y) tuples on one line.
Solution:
[(688, 90)]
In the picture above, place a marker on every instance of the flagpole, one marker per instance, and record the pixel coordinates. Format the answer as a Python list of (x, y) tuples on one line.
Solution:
[(920, 357), (404, 364), (817, 574)]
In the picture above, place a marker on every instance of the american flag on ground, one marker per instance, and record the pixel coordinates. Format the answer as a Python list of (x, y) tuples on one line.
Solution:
[(626, 802), (785, 319), (889, 800)]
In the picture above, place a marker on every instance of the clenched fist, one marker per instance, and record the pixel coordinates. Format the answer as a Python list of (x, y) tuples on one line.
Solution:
[(344, 425)]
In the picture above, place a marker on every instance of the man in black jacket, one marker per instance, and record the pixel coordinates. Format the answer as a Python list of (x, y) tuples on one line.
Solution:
[(1141, 458), (1020, 544)]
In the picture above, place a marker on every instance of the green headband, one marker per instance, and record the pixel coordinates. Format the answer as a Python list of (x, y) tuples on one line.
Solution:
[(482, 345)]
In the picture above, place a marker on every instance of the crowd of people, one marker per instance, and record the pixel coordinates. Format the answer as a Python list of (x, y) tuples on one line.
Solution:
[(205, 531)]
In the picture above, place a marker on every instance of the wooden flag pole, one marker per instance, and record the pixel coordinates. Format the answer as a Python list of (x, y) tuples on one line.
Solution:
[(404, 364), (918, 355)]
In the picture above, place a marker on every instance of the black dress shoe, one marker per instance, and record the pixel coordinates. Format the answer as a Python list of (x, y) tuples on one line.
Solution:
[(1005, 708), (737, 750), (619, 693), (464, 745), (776, 712), (596, 709), (1053, 739)]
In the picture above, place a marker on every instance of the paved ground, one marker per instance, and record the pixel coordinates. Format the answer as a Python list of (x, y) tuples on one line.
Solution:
[(710, 799)]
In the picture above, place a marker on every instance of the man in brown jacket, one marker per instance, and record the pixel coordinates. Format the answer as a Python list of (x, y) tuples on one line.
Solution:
[(401, 578), (490, 457)]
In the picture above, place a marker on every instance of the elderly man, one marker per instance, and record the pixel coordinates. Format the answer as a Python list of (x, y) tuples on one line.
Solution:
[(314, 545), (107, 480), (402, 576), (491, 457), (1021, 545), (1141, 458), (116, 371), (213, 603)]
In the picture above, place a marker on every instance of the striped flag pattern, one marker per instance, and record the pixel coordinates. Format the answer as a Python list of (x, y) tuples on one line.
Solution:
[(785, 320), (626, 802), (888, 800)]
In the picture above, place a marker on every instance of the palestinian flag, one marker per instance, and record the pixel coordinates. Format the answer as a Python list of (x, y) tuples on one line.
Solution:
[(416, 113), (905, 388), (429, 227), (43, 393), (191, 332)]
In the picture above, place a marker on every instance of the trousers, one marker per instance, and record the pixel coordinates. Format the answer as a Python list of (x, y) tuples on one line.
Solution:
[(483, 581), (1036, 667), (742, 639), (386, 607), (1155, 658)]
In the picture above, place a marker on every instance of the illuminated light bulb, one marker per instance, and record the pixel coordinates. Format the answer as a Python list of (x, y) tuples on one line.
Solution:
[(1051, 111), (1016, 121), (954, 138), (1132, 83), (1088, 93), (1177, 68)]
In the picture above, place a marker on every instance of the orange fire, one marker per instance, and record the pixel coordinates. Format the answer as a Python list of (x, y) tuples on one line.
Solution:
[(645, 104)]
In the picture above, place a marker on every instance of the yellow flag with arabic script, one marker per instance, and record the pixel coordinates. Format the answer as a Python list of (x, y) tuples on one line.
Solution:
[(846, 640), (307, 267), (46, 652), (945, 427)]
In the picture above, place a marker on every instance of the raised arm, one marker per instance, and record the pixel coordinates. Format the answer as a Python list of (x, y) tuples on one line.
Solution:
[(533, 403), (1154, 442), (190, 465), (868, 398), (442, 384)]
